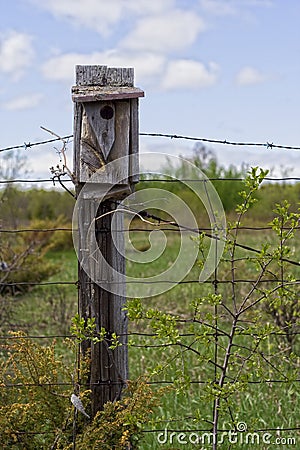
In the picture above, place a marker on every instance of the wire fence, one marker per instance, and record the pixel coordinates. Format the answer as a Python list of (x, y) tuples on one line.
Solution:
[(214, 331), (267, 145)]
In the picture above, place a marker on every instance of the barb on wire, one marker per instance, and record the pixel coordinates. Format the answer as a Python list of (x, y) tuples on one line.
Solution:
[(33, 144), (267, 145)]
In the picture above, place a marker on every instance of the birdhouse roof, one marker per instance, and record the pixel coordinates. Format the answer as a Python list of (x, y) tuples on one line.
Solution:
[(104, 93)]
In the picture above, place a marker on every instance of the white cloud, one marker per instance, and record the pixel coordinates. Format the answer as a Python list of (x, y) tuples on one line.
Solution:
[(150, 69), (249, 75), (102, 15), (185, 73), (16, 53), (163, 33), (231, 7), (62, 67), (23, 102)]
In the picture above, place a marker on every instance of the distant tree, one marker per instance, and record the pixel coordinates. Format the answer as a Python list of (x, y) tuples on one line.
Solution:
[(228, 181), (11, 166)]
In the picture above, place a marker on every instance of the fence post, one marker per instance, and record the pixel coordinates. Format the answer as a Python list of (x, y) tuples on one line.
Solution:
[(105, 129)]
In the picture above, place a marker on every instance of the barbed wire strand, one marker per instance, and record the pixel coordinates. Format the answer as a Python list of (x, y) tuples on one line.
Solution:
[(117, 383), (183, 282), (150, 180), (139, 334), (28, 145), (268, 145)]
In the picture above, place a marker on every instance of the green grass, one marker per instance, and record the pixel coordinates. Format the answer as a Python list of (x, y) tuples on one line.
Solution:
[(260, 405), (47, 310)]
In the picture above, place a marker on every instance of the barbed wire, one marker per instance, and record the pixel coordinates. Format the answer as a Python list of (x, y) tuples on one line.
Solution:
[(37, 180), (37, 283), (33, 230), (61, 181), (268, 145), (201, 180), (117, 383), (144, 281), (152, 180), (209, 430), (136, 230), (27, 145), (282, 332)]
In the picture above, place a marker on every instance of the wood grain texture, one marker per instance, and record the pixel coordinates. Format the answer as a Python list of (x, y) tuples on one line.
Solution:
[(104, 76), (109, 367), (90, 156), (77, 138), (109, 370), (98, 140), (103, 128), (93, 160), (134, 141), (95, 93), (91, 75)]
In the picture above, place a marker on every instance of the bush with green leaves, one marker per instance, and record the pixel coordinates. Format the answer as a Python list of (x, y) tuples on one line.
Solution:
[(119, 426), (36, 384), (24, 257), (35, 394), (241, 332)]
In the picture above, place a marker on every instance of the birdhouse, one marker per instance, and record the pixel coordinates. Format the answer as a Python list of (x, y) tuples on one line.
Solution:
[(106, 128)]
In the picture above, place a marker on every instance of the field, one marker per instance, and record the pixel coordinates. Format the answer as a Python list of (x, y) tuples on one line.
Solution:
[(261, 402), (223, 352)]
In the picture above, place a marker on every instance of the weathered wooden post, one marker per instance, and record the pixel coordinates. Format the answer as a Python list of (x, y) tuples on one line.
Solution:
[(105, 130)]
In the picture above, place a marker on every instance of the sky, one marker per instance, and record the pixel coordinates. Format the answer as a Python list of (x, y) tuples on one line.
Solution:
[(218, 69)]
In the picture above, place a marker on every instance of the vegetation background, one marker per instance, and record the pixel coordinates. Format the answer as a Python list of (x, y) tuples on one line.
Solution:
[(168, 347)]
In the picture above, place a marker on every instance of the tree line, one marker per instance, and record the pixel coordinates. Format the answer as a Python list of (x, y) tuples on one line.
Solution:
[(20, 206)]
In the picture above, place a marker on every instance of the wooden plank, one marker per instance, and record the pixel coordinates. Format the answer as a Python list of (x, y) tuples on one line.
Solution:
[(77, 138), (109, 370), (96, 93), (102, 291), (103, 76), (118, 173), (91, 75), (101, 117), (134, 141), (90, 158), (120, 76), (86, 307)]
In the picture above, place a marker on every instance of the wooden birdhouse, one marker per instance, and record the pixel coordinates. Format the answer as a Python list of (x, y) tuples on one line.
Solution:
[(106, 128)]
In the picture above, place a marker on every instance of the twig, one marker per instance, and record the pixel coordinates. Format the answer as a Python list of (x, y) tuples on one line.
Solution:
[(62, 152)]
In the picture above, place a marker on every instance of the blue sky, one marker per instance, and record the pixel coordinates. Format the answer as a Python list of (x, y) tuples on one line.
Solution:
[(221, 69)]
